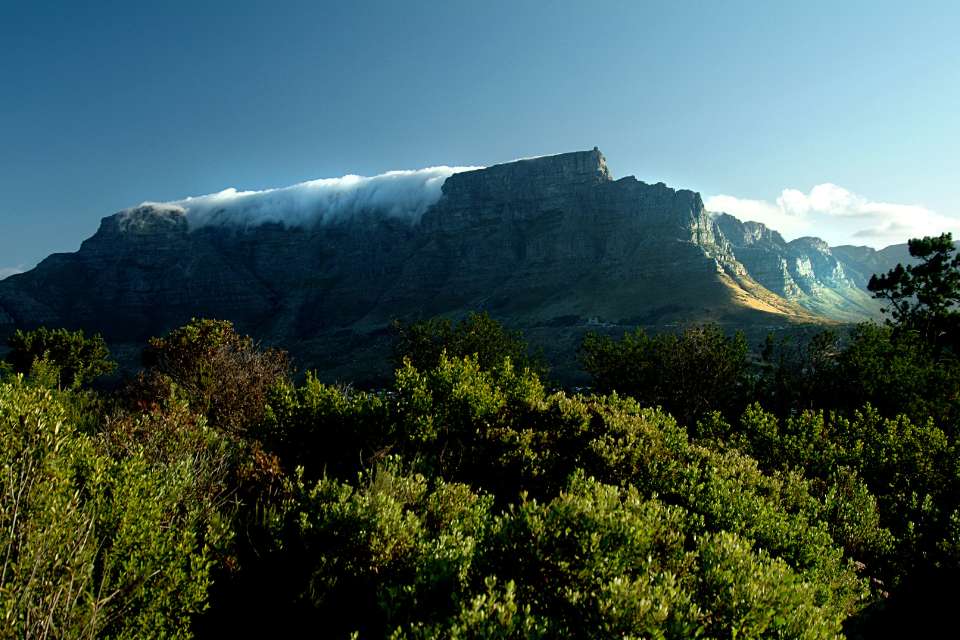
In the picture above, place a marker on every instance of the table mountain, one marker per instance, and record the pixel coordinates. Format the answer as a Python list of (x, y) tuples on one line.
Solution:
[(552, 245)]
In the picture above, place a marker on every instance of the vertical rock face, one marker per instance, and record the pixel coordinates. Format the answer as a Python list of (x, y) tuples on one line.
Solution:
[(546, 244), (816, 267), (763, 252), (804, 270), (557, 236)]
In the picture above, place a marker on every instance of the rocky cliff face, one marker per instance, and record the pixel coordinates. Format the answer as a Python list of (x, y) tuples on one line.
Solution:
[(806, 270), (551, 245), (862, 262)]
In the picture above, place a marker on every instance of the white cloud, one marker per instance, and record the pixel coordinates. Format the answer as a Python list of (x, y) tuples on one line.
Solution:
[(6, 272), (838, 215), (775, 216), (399, 194)]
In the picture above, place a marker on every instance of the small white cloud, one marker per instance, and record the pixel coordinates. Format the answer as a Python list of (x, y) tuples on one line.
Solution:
[(834, 200), (838, 215), (793, 202), (776, 216)]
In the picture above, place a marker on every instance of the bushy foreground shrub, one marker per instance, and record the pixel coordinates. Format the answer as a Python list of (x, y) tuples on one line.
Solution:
[(395, 554), (908, 471), (689, 374), (216, 497), (223, 375), (99, 542), (650, 534), (58, 357)]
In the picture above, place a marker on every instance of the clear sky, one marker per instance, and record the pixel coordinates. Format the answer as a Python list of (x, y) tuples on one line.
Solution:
[(106, 104)]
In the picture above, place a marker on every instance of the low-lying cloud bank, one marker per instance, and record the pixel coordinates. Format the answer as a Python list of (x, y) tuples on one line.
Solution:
[(397, 194), (838, 215), (6, 272)]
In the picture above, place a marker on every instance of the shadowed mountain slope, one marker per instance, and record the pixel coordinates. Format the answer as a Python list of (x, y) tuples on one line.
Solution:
[(551, 245)]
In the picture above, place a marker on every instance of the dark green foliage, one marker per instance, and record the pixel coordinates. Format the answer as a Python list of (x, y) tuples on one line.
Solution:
[(389, 549), (923, 297), (500, 432), (476, 335), (224, 376), (325, 429), (467, 501), (909, 468), (896, 372), (491, 614), (394, 551), (58, 357), (598, 561), (101, 541), (456, 418), (796, 373), (688, 374)]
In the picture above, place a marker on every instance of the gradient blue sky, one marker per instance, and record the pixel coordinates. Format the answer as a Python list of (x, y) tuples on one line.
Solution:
[(107, 104)]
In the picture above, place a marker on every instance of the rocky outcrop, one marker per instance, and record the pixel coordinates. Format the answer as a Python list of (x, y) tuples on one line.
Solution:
[(805, 271), (551, 245), (763, 252)]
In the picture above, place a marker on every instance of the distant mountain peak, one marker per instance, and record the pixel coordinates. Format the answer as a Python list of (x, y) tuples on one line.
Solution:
[(811, 242)]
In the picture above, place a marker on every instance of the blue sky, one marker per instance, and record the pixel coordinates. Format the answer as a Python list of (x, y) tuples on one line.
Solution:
[(106, 104)]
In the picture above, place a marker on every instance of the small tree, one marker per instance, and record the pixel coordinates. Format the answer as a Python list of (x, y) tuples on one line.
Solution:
[(225, 376), (923, 297), (68, 355), (476, 335)]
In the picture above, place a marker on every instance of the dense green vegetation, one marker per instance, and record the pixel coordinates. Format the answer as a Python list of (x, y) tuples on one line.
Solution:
[(63, 358), (809, 490)]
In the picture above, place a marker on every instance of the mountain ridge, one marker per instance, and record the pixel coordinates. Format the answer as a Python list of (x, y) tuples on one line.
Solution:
[(552, 245)]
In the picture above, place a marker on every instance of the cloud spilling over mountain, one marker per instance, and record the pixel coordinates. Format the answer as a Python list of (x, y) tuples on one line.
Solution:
[(554, 246), (838, 215), (6, 272), (397, 194)]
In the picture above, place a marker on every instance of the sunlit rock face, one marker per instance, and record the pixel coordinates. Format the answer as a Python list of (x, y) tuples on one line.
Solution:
[(544, 244), (806, 271)]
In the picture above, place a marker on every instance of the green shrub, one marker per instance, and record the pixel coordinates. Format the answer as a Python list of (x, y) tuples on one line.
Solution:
[(392, 549), (393, 553), (904, 472), (448, 416), (97, 544), (327, 430), (58, 357), (493, 614), (598, 561), (689, 374), (894, 371), (499, 431), (224, 376), (477, 335)]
